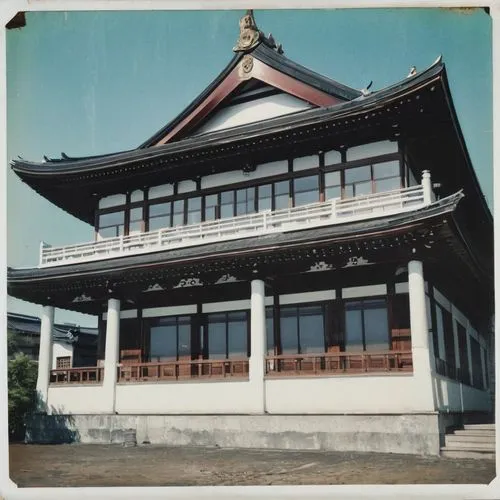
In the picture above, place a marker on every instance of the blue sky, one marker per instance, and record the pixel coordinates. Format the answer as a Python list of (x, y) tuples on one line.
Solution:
[(98, 82)]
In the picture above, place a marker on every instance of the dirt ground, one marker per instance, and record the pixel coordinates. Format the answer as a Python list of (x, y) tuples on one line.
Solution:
[(115, 465)]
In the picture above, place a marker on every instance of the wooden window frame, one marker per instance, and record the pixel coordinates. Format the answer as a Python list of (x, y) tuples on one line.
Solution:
[(206, 337)]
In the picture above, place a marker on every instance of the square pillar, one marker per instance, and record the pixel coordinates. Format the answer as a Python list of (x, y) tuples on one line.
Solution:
[(422, 363), (257, 343), (111, 355), (45, 357)]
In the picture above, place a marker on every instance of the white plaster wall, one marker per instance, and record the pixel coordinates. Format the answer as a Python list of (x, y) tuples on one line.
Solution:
[(156, 312), (186, 186), (373, 149), (60, 349), (347, 394), (253, 111), (189, 397), (81, 399), (452, 395), (130, 313), (137, 195), (333, 157), (363, 291)]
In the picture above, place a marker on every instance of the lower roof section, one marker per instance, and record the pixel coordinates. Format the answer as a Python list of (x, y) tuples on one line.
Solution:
[(428, 234)]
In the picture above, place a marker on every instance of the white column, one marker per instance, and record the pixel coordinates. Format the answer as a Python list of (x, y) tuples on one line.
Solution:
[(111, 355), (258, 343), (45, 357), (427, 187), (422, 369)]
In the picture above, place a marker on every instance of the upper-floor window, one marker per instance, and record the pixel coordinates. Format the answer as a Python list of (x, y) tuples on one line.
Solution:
[(287, 190)]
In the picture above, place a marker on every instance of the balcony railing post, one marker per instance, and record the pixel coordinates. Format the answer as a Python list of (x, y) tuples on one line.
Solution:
[(427, 187)]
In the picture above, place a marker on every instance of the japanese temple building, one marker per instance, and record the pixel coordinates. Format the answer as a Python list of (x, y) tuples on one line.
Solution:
[(289, 263)]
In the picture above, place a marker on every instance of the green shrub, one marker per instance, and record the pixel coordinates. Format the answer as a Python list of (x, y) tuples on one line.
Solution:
[(22, 377)]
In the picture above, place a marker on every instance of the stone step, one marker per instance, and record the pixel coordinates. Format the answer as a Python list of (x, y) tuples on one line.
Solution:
[(474, 445), (473, 432), (452, 453), (466, 438), (477, 427)]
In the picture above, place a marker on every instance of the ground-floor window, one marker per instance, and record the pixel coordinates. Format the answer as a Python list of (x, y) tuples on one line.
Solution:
[(227, 335), (170, 338), (477, 365), (366, 325), (302, 329)]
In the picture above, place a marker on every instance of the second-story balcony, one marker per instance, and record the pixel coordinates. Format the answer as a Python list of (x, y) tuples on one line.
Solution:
[(336, 211)]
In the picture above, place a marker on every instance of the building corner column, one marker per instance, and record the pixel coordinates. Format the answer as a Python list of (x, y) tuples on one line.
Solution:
[(421, 354), (257, 343), (111, 354), (45, 358)]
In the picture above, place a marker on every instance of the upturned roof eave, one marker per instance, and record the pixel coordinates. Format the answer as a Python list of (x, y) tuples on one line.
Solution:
[(26, 169)]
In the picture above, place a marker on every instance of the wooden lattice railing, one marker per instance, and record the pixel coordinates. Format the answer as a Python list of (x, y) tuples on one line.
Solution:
[(338, 363), (183, 369), (83, 375)]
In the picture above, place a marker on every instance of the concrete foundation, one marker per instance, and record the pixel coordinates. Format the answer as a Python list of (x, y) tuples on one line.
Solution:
[(411, 433)]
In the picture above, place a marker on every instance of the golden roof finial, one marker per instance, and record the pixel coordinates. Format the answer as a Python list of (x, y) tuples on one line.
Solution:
[(250, 36)]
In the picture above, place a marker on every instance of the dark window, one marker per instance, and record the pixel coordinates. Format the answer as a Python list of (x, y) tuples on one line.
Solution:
[(160, 216), (111, 224), (170, 338), (302, 329), (477, 365), (386, 176), (227, 335), (449, 341), (270, 330), (366, 325), (306, 190), (463, 355)]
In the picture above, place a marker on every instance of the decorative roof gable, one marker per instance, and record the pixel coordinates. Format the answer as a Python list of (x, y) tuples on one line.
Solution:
[(260, 59)]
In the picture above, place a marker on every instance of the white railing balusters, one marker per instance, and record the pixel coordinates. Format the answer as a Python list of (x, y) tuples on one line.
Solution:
[(242, 226)]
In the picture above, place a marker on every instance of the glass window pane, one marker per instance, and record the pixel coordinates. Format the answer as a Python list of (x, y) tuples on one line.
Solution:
[(311, 329), (178, 216), (333, 192), (163, 342), (332, 178), (376, 329), (216, 336), (269, 331), (282, 187), (184, 340), (112, 219), (194, 210), (353, 330), (211, 202), (387, 184), (386, 169), (306, 190), (159, 223), (136, 214), (135, 227), (108, 232), (159, 209), (237, 335), (281, 201), (289, 333), (245, 201), (348, 191), (357, 174), (361, 188), (227, 204)]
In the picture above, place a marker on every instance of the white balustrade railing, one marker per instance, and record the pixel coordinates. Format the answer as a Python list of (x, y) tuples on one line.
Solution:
[(292, 219)]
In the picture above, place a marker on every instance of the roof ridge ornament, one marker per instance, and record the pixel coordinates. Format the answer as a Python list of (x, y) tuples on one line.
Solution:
[(250, 36)]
